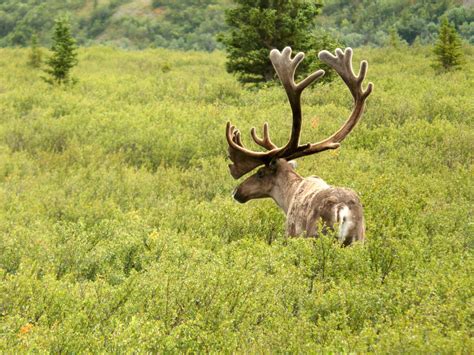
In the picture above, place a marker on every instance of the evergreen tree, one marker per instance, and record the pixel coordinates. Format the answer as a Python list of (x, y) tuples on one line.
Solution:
[(36, 55), (394, 39), (448, 48), (417, 42), (64, 50), (258, 26)]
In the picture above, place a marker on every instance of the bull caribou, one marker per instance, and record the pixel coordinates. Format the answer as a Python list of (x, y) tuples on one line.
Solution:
[(307, 202)]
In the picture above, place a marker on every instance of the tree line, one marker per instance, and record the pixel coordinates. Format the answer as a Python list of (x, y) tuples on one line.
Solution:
[(253, 31), (371, 22), (195, 24)]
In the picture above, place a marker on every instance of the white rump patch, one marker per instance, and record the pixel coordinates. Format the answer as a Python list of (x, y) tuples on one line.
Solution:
[(344, 218)]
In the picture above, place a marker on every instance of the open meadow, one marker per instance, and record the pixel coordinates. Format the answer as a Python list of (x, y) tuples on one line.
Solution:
[(118, 231)]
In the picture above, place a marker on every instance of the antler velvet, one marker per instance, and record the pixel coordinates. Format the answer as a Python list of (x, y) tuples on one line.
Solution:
[(245, 160)]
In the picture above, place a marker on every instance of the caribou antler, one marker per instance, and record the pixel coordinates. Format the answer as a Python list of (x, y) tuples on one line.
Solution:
[(285, 68), (266, 141), (342, 64), (245, 160)]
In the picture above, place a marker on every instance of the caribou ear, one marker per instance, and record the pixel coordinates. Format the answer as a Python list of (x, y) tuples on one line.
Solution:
[(293, 164)]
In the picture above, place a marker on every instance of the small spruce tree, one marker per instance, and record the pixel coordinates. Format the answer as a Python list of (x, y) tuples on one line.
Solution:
[(36, 55), (64, 50), (448, 48), (417, 42), (394, 39), (256, 27)]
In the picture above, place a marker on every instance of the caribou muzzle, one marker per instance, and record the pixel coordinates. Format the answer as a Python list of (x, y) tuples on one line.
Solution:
[(237, 195)]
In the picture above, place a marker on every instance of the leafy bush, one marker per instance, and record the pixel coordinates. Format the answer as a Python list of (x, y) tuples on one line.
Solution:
[(118, 232)]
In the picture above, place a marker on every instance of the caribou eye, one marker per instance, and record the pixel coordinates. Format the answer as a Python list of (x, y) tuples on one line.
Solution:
[(260, 174)]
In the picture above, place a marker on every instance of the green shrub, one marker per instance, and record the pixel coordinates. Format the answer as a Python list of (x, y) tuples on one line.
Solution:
[(118, 232)]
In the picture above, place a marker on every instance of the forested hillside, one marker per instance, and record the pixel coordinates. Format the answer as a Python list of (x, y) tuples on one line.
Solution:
[(184, 24), (193, 24), (372, 21)]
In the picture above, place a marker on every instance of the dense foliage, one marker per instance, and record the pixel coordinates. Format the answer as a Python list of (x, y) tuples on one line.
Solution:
[(448, 48), (63, 53), (369, 21), (21, 19), (194, 24), (189, 24), (118, 232), (185, 24)]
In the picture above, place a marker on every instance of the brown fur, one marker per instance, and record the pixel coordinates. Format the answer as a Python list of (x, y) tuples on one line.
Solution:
[(305, 201), (326, 205)]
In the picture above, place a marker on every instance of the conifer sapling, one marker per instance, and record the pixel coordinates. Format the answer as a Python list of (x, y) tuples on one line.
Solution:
[(35, 57), (64, 56), (448, 48)]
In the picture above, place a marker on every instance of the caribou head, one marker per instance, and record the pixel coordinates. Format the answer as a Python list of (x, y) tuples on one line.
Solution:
[(305, 201)]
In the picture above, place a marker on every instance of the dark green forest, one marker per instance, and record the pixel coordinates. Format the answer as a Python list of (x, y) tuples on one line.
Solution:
[(370, 22), (194, 24)]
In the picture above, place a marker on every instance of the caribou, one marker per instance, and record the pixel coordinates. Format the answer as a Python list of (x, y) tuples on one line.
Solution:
[(311, 205)]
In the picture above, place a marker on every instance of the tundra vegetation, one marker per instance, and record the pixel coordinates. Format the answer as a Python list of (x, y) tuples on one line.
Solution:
[(118, 231)]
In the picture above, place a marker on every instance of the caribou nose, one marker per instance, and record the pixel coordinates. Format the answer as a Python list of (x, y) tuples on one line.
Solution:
[(238, 196)]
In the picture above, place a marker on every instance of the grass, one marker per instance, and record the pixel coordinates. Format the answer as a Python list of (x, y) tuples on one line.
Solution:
[(118, 231)]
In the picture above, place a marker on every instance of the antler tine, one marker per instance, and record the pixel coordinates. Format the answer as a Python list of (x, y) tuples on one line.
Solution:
[(342, 64), (237, 137), (285, 68), (245, 160), (235, 142), (266, 141)]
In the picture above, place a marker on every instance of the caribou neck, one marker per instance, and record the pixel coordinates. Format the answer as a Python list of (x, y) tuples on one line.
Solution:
[(285, 187)]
